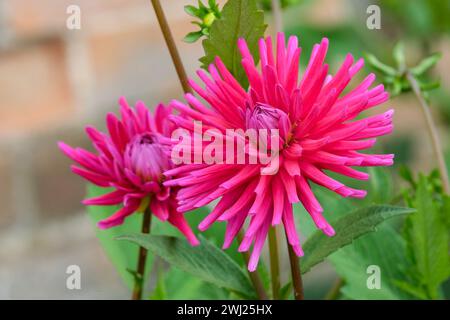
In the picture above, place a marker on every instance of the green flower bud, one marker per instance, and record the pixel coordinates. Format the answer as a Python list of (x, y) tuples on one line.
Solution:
[(209, 19)]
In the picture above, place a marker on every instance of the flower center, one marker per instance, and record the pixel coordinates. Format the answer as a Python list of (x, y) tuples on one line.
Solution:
[(264, 116), (146, 157)]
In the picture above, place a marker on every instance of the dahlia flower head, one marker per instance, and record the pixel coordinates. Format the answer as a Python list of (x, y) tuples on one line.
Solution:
[(318, 128), (131, 158)]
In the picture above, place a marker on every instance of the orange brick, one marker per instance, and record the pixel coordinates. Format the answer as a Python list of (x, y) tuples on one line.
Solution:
[(34, 88)]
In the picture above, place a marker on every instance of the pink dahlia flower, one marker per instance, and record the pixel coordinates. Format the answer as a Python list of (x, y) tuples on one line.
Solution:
[(319, 132), (131, 158)]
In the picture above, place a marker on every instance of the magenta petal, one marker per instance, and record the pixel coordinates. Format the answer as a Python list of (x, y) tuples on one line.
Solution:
[(118, 217)]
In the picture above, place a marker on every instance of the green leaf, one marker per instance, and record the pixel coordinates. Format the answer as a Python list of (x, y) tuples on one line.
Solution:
[(380, 185), (428, 86), (378, 65), (384, 249), (239, 19), (411, 289), (191, 37), (205, 261), (348, 228), (286, 291), (180, 285), (426, 64), (192, 11), (428, 240)]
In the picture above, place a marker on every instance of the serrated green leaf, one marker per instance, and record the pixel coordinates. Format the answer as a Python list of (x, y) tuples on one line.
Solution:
[(239, 19), (348, 228), (384, 249), (380, 66), (205, 261), (427, 238), (426, 64)]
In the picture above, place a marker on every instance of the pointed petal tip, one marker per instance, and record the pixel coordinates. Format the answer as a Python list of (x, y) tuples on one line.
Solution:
[(193, 241), (123, 102), (203, 226), (252, 267), (298, 250), (105, 224), (329, 231), (359, 194), (62, 145), (86, 202)]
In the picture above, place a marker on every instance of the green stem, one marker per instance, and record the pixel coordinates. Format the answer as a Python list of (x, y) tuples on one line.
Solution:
[(254, 276), (296, 273), (432, 131), (277, 16), (142, 258), (335, 290), (181, 72), (274, 263)]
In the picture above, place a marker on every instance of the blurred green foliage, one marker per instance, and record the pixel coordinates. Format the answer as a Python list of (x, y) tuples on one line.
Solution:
[(420, 19), (427, 234)]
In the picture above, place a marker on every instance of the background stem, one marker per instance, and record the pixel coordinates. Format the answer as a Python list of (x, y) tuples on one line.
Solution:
[(171, 45), (296, 273), (432, 131), (254, 276), (277, 16), (142, 259), (274, 263), (335, 290)]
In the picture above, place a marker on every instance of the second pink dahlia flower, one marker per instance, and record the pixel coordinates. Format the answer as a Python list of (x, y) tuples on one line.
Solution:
[(131, 158), (318, 129)]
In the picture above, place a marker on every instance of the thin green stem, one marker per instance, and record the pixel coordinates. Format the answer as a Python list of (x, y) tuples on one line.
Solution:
[(254, 276), (335, 290), (171, 46), (296, 273), (142, 258), (432, 131), (274, 263), (277, 16)]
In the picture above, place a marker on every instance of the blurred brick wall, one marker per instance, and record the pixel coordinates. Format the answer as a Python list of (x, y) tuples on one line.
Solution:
[(53, 81)]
